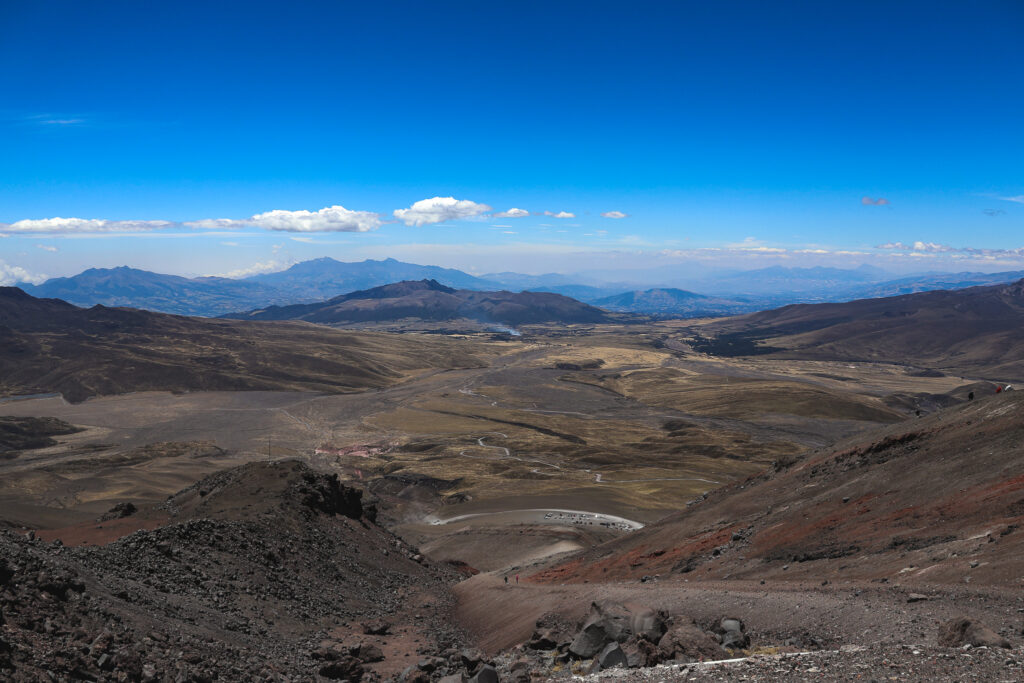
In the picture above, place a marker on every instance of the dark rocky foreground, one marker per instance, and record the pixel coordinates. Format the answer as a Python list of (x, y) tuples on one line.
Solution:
[(616, 642), (261, 565), (275, 572)]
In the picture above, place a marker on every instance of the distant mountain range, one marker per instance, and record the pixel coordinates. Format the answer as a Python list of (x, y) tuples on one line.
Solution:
[(672, 302), (664, 291), (429, 300), (304, 282)]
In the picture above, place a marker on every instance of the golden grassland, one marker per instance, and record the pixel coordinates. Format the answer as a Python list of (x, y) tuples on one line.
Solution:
[(648, 424)]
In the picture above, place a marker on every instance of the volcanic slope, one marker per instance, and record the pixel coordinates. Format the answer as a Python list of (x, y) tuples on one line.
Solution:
[(256, 568), (938, 499), (48, 345), (974, 331), (430, 300)]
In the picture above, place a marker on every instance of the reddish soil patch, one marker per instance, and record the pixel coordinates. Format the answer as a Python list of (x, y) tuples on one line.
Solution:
[(101, 533)]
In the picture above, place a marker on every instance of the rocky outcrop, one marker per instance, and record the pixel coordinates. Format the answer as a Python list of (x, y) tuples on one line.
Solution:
[(239, 586), (610, 622)]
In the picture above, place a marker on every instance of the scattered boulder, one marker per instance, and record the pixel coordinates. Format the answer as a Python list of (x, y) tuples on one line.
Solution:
[(347, 668), (610, 657), (472, 659), (610, 622), (550, 631), (486, 674), (641, 652), (733, 633), (413, 674), (589, 641), (119, 511), (686, 642), (369, 653), (376, 627), (649, 624), (959, 632), (519, 670), (542, 639)]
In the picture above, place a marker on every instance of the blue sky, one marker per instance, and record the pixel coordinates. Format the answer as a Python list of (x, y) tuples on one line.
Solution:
[(736, 134)]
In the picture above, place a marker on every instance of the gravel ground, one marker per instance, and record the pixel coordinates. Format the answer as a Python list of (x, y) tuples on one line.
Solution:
[(850, 663)]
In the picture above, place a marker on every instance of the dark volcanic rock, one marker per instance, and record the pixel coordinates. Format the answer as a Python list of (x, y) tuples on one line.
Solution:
[(686, 642), (610, 622), (610, 657), (734, 633), (487, 674), (119, 511), (348, 669), (376, 627)]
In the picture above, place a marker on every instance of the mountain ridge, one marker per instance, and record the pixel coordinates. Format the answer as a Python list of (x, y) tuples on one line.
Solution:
[(429, 300), (976, 331)]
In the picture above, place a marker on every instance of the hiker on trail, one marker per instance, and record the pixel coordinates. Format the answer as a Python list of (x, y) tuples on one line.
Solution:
[(506, 580), (517, 578), (970, 396)]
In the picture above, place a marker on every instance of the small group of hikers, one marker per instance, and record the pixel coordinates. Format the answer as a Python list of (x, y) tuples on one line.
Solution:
[(517, 579), (999, 389)]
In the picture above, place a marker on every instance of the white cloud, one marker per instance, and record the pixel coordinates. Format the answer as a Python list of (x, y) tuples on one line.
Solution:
[(1017, 198), (614, 214), (560, 214), (64, 226), (439, 210), (868, 201), (329, 219), (10, 275), (47, 247), (512, 213), (229, 244), (255, 269), (919, 249)]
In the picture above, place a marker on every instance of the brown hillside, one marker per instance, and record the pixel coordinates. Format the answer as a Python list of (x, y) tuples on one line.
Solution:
[(937, 499), (430, 300), (977, 331), (47, 345)]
